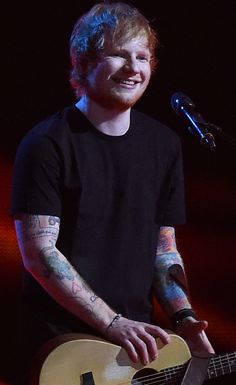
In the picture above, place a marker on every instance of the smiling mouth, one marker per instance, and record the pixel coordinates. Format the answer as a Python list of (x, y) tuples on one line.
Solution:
[(126, 82)]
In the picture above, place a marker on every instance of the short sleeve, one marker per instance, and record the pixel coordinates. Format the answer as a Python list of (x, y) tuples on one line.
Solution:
[(174, 199), (36, 187)]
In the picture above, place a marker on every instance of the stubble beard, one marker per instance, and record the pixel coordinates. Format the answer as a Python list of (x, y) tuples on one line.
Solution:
[(115, 100)]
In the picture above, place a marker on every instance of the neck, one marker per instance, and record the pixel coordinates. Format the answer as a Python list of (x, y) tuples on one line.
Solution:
[(112, 122)]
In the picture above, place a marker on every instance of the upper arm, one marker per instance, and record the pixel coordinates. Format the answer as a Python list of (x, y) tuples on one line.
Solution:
[(34, 233), (166, 240), (37, 184)]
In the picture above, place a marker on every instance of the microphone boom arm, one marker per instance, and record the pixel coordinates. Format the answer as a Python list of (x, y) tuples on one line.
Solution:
[(197, 126), (206, 137)]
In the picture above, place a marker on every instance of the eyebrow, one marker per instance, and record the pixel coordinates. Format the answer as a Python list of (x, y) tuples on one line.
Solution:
[(143, 50)]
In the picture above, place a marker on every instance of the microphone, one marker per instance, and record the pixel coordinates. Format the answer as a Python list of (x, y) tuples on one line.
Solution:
[(184, 107)]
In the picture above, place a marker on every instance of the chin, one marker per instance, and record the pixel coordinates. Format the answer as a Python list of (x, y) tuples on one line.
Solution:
[(116, 103), (116, 100), (126, 100)]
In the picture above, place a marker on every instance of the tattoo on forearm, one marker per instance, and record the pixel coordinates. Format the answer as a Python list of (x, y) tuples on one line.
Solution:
[(170, 284), (77, 289), (166, 240), (53, 265), (87, 309), (93, 297)]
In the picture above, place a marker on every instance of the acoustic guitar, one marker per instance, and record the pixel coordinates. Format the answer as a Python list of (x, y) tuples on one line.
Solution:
[(78, 359)]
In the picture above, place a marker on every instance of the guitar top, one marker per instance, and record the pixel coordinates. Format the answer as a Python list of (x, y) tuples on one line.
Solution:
[(79, 359)]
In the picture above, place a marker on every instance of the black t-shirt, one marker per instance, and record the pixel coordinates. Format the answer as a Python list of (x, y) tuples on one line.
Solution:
[(112, 193)]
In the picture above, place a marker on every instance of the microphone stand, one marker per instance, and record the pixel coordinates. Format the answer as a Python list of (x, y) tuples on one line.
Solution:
[(217, 131)]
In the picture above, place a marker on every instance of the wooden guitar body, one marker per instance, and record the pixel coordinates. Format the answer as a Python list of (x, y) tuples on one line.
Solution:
[(79, 359), (108, 364)]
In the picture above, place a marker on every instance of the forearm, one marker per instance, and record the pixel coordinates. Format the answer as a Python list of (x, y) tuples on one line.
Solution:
[(58, 277), (170, 289), (169, 283), (37, 236), (68, 288)]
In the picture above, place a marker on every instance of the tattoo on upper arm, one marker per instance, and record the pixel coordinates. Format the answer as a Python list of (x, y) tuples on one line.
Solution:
[(32, 222), (33, 228), (166, 240), (53, 220)]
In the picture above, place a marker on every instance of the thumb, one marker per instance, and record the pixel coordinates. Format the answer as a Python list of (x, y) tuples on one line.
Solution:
[(199, 326)]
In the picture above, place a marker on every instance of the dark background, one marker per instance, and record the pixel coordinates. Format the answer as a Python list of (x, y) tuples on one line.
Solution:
[(197, 58)]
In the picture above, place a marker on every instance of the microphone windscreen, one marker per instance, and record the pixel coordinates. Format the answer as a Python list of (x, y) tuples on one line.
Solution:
[(178, 100)]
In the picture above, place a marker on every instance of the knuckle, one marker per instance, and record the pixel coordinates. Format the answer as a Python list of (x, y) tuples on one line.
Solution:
[(150, 339), (140, 345), (159, 331)]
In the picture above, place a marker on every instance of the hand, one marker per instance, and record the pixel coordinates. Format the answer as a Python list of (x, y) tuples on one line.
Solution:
[(138, 339), (193, 332)]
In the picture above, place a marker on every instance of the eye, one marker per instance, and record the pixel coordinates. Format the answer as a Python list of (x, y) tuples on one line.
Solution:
[(142, 58), (118, 54)]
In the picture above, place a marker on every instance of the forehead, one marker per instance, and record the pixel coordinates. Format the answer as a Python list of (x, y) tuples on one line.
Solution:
[(135, 43)]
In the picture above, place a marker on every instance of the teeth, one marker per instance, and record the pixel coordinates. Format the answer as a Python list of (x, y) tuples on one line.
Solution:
[(129, 82)]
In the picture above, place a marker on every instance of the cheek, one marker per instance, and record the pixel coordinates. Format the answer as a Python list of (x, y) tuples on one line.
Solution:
[(147, 73), (99, 75), (146, 78)]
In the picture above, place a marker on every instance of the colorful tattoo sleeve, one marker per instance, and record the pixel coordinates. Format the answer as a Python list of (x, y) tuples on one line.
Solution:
[(170, 283)]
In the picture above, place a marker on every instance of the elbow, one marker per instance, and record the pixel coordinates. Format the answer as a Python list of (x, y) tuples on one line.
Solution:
[(30, 264), (31, 257)]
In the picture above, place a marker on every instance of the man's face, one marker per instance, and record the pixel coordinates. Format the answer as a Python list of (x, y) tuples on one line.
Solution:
[(122, 75)]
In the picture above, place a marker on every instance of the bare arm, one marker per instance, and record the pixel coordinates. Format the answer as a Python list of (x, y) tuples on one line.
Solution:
[(170, 283), (170, 288), (37, 236)]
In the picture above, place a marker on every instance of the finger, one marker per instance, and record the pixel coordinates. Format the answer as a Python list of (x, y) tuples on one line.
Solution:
[(141, 349), (151, 345), (156, 331), (131, 351)]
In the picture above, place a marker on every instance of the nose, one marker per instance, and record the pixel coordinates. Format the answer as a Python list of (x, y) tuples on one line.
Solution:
[(131, 65)]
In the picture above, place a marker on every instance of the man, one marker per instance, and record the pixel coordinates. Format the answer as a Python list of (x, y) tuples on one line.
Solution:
[(98, 188)]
